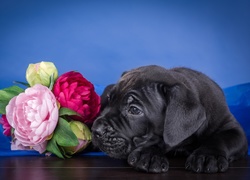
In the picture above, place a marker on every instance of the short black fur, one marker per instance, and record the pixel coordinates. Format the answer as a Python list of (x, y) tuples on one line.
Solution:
[(152, 112)]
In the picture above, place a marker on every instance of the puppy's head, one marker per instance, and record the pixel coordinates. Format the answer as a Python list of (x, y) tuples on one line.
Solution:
[(143, 109)]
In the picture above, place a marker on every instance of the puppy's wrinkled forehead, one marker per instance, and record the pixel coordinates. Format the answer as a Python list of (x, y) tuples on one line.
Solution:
[(130, 80), (139, 77)]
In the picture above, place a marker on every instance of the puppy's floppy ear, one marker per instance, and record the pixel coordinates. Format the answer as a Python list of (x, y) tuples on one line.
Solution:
[(184, 114), (104, 96)]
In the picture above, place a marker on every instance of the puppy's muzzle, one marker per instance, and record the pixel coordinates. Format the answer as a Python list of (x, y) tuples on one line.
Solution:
[(98, 130), (107, 139)]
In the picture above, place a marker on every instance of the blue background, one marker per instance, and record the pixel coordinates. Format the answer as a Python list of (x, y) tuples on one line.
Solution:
[(103, 38)]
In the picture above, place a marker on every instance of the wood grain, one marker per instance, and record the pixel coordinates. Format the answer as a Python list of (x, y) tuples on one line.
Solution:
[(103, 167)]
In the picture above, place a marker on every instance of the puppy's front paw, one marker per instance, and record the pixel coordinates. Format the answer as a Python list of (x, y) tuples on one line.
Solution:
[(201, 163), (148, 162)]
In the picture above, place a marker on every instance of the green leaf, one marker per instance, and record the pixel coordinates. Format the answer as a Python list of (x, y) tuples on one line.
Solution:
[(3, 105), (53, 148), (67, 112), (22, 83), (6, 95), (66, 154), (52, 81), (10, 92), (63, 136)]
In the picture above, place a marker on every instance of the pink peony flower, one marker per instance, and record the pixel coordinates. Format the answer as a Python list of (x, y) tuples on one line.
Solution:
[(6, 126), (34, 115), (17, 145), (73, 91)]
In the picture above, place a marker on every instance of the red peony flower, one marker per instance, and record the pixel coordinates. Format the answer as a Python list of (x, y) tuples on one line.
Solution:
[(75, 92), (6, 125)]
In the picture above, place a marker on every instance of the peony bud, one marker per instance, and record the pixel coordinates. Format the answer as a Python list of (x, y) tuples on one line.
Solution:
[(83, 134), (40, 73)]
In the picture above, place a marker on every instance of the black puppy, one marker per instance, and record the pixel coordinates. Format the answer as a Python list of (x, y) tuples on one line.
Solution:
[(153, 111)]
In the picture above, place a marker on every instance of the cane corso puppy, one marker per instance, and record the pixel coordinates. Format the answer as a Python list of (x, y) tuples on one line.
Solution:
[(152, 112)]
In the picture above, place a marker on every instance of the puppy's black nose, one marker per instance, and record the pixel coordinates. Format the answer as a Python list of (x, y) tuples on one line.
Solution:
[(98, 130)]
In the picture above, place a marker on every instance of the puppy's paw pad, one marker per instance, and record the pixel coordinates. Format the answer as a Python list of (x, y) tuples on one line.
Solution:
[(133, 158), (223, 164), (144, 162), (148, 163), (206, 164), (158, 164)]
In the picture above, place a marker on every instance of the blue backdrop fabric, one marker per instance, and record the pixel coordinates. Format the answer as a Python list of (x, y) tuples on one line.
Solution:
[(238, 99)]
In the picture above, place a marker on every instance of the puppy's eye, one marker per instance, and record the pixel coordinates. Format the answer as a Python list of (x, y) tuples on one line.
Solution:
[(134, 110)]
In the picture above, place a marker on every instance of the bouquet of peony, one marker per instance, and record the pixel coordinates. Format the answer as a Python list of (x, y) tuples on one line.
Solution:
[(53, 114)]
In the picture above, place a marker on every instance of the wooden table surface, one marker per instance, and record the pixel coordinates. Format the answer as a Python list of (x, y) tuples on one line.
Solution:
[(103, 167)]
